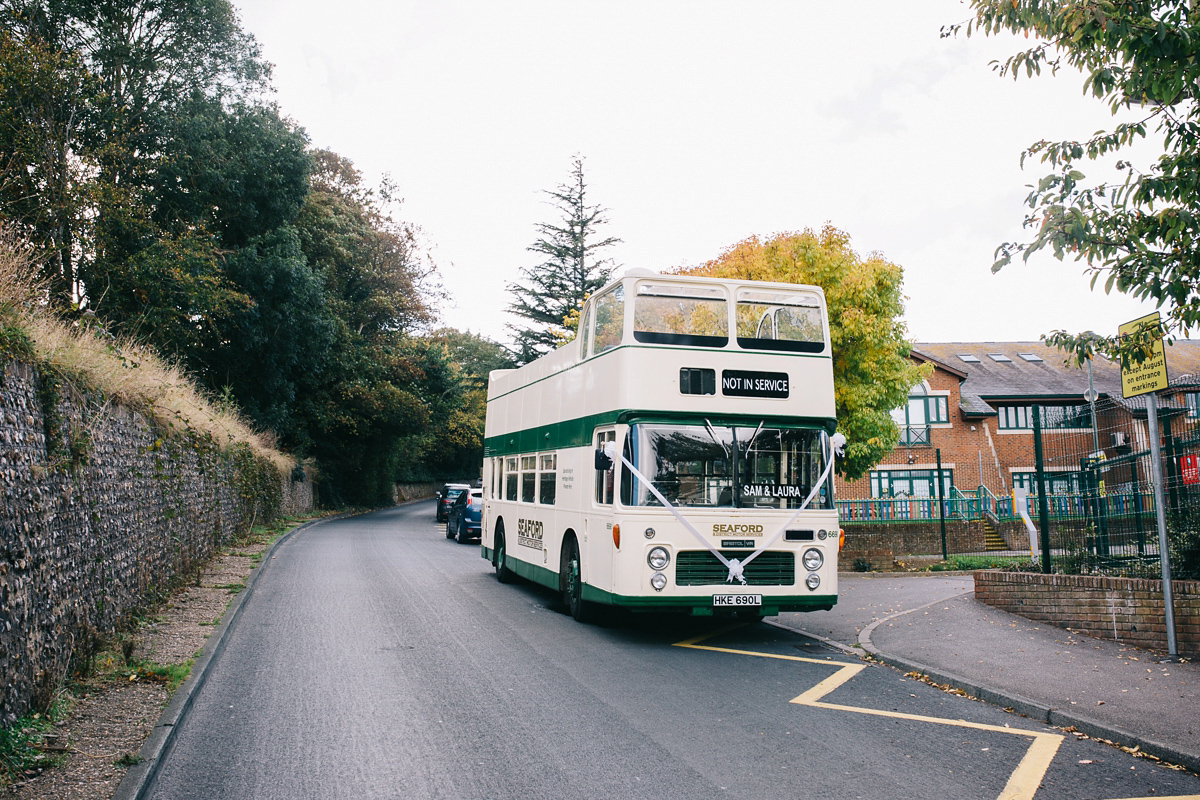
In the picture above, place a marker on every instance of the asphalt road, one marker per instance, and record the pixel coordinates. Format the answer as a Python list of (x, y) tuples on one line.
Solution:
[(377, 659)]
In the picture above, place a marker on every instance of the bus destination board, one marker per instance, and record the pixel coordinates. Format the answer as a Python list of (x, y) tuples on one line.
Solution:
[(741, 383)]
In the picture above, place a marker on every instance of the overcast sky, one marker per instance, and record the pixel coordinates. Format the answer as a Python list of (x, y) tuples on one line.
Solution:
[(701, 123)]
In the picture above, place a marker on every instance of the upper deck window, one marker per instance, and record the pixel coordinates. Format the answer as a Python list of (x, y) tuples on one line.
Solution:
[(610, 319), (776, 321), (674, 313)]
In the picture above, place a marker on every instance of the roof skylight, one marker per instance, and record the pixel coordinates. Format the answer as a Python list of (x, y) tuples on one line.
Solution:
[(999, 357), (967, 357), (1030, 356)]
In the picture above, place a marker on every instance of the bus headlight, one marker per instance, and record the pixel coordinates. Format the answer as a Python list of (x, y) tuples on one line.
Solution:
[(658, 581), (658, 558), (813, 580), (813, 559)]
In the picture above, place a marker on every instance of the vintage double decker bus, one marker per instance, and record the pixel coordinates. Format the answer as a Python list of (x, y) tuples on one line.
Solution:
[(677, 455)]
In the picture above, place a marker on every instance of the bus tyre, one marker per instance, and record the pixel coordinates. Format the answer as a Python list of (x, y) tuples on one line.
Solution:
[(572, 583), (503, 573)]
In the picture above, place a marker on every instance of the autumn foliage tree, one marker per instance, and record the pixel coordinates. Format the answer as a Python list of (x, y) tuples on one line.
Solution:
[(872, 373)]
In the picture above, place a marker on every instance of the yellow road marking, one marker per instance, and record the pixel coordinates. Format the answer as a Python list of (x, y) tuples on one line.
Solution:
[(1022, 784)]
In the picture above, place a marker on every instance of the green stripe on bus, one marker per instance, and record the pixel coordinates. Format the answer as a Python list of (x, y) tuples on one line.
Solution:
[(578, 432), (772, 604)]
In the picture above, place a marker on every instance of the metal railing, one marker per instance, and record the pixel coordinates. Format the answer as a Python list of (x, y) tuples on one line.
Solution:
[(981, 501), (914, 435)]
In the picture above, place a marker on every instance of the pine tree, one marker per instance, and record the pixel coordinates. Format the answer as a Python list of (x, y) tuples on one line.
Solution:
[(569, 272)]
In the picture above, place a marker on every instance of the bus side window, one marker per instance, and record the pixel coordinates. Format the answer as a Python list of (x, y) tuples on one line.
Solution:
[(604, 478), (528, 479), (510, 478), (585, 333), (626, 475), (547, 478)]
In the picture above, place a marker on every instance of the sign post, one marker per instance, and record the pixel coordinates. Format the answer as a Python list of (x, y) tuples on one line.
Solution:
[(1147, 378)]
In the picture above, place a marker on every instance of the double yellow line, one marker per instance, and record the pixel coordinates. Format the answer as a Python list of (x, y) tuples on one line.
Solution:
[(1022, 784)]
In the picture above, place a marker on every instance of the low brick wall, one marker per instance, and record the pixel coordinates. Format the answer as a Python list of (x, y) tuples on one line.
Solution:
[(1128, 610), (880, 543), (110, 515)]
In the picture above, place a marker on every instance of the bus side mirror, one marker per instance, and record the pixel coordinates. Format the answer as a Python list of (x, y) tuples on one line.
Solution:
[(603, 462)]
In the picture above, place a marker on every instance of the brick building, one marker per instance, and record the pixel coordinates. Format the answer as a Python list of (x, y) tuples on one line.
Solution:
[(976, 409)]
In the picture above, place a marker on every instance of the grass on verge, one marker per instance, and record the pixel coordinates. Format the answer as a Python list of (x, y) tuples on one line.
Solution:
[(23, 745)]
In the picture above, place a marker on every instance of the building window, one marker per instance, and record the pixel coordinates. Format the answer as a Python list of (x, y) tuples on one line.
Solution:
[(1056, 482), (1015, 417), (1193, 404), (547, 478), (910, 483), (921, 411), (1053, 417)]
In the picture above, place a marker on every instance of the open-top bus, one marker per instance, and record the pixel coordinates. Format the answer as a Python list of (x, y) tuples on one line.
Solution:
[(676, 455)]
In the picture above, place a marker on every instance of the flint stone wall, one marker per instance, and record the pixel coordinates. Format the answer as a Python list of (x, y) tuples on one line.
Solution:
[(113, 515)]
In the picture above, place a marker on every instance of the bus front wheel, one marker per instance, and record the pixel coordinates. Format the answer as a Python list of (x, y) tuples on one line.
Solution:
[(503, 573), (572, 584)]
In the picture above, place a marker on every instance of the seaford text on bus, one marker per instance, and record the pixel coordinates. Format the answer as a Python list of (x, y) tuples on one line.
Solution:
[(677, 455)]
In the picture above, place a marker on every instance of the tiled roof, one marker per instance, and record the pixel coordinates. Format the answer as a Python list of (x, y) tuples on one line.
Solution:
[(1034, 370)]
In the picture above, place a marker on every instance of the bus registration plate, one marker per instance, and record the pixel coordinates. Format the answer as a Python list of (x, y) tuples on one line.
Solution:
[(722, 600)]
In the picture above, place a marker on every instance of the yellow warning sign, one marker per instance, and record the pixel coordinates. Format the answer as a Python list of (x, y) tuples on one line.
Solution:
[(1151, 374)]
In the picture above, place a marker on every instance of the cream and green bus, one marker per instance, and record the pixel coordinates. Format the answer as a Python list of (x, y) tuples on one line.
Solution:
[(676, 456)]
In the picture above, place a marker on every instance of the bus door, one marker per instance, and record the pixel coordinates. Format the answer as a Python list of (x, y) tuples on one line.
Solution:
[(598, 519)]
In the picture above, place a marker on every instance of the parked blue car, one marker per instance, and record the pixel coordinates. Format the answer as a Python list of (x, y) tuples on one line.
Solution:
[(463, 521)]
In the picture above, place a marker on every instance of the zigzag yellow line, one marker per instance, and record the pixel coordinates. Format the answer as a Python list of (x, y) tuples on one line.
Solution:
[(1025, 779), (1022, 784)]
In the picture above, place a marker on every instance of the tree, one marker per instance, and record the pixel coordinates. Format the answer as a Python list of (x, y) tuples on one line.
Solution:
[(872, 373), (570, 271), (1140, 234), (48, 104), (138, 64), (371, 409), (459, 453)]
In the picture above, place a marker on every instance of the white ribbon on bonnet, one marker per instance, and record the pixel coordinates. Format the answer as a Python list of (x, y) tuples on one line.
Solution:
[(736, 567)]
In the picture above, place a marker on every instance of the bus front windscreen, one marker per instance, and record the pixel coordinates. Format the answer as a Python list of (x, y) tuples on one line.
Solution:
[(711, 466)]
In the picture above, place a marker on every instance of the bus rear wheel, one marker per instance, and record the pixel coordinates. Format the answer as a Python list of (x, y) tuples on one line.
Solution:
[(500, 562), (570, 578)]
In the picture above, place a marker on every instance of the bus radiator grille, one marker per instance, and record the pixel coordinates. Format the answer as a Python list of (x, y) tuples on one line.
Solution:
[(701, 568)]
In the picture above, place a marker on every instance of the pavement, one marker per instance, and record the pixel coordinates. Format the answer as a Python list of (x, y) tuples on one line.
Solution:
[(932, 624)]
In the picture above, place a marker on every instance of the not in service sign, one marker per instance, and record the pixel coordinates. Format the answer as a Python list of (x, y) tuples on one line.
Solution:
[(742, 383)]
